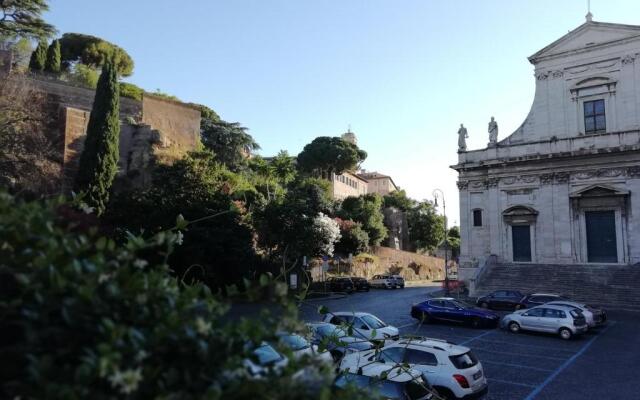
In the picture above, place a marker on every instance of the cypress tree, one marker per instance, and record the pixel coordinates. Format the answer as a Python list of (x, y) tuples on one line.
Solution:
[(38, 57), (53, 58), (99, 160)]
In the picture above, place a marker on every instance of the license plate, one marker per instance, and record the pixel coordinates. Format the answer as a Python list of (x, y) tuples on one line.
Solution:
[(477, 375)]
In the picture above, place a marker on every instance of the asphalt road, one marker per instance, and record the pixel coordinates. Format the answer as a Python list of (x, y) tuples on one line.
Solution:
[(598, 365)]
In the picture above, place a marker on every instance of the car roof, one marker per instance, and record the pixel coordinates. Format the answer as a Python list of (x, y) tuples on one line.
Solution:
[(553, 307), (319, 324), (395, 373), (571, 303), (545, 294), (353, 313), (441, 298), (430, 344)]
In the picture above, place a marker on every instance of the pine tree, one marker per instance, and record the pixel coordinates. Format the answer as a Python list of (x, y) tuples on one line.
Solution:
[(99, 159), (53, 58), (38, 57)]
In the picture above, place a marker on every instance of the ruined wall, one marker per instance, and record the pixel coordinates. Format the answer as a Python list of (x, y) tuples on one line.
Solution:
[(177, 123), (398, 228)]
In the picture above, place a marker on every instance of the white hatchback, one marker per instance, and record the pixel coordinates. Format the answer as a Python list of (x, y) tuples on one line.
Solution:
[(450, 369), (364, 325), (383, 282)]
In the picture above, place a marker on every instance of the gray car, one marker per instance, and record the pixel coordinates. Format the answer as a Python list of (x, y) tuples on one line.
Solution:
[(336, 340), (560, 320)]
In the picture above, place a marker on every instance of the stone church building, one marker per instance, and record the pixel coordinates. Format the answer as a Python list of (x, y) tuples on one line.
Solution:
[(563, 190)]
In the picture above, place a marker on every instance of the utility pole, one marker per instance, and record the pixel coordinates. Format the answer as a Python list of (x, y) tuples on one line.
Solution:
[(444, 213)]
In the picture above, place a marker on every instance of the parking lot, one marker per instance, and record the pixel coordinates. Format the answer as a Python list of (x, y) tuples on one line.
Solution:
[(600, 364)]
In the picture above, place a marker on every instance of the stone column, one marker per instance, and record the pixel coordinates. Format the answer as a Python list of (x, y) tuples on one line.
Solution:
[(494, 216)]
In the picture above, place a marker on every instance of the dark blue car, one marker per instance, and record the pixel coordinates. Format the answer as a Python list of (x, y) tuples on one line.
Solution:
[(450, 310)]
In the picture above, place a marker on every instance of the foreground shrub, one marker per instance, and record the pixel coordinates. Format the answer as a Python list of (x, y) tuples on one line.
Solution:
[(85, 318)]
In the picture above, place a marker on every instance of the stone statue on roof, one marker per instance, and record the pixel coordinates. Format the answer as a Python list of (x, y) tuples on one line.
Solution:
[(493, 132), (462, 136)]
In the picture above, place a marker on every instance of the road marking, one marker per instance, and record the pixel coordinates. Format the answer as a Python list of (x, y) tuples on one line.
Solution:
[(511, 383), (565, 365), (502, 342), (477, 349), (476, 337), (517, 366), (405, 325)]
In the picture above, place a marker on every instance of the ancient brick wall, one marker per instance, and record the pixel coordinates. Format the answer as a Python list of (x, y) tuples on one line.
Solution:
[(177, 123)]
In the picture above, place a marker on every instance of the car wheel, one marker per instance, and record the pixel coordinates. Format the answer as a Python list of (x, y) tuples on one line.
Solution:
[(518, 306), (444, 393), (565, 333), (514, 327), (476, 322), (484, 304)]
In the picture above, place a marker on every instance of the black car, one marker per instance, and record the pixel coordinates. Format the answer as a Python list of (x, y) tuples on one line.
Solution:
[(451, 310), (340, 284), (336, 340), (536, 299), (360, 284), (502, 300)]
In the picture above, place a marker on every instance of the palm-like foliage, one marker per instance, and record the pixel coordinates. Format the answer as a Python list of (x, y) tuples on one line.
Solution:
[(229, 141)]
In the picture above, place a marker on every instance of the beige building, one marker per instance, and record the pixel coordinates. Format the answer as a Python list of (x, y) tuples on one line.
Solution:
[(378, 183), (347, 185)]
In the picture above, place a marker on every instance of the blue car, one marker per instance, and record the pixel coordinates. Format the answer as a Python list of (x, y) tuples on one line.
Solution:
[(450, 310)]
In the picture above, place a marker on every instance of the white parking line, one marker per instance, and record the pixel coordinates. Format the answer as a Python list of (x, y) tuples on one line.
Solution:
[(518, 366), (476, 337), (477, 349), (405, 325), (510, 382), (564, 365), (504, 342)]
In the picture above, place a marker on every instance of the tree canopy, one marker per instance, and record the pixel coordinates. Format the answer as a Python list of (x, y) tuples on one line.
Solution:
[(229, 141), (94, 52), (326, 155), (426, 227), (367, 210), (398, 199), (39, 57), (23, 18)]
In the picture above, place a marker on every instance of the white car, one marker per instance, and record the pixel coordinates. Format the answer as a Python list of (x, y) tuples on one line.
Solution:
[(452, 370), (561, 320), (400, 383), (594, 316), (301, 347), (399, 281), (364, 325), (383, 282), (265, 360)]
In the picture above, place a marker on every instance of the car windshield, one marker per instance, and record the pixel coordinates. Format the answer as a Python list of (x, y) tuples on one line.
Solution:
[(463, 361), (331, 330), (457, 304), (373, 322), (295, 342), (266, 355)]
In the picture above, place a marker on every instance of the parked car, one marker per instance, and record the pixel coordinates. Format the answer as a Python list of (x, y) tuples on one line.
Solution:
[(536, 299), (336, 339), (265, 360), (399, 281), (383, 282), (301, 347), (594, 316), (364, 325), (340, 284), (450, 310), (399, 384), (360, 284), (564, 321), (452, 370), (502, 300)]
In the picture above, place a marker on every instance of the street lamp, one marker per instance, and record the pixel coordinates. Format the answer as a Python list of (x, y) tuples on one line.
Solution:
[(444, 213)]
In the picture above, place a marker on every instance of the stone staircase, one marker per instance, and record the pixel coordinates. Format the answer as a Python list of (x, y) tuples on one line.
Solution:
[(610, 286)]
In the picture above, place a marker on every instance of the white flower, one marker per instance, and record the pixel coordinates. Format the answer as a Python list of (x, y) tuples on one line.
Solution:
[(203, 327), (103, 278), (141, 355), (127, 381), (138, 263), (86, 209), (327, 232), (179, 237)]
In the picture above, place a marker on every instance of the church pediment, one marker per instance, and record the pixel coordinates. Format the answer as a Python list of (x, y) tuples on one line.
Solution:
[(598, 191), (519, 210), (588, 35)]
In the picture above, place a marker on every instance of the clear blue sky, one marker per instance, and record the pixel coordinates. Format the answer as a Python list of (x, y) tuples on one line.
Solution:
[(403, 73)]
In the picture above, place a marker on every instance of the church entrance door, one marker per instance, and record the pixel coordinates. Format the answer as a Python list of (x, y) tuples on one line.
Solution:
[(601, 236), (521, 236)]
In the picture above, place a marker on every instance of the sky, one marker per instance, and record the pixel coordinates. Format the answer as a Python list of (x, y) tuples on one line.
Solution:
[(403, 74)]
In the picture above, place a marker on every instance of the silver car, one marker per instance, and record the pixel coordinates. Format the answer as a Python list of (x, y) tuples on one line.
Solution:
[(561, 320)]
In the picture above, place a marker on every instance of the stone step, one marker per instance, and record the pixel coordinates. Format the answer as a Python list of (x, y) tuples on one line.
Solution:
[(612, 286)]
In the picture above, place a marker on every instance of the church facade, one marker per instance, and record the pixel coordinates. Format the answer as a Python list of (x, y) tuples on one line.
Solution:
[(564, 188)]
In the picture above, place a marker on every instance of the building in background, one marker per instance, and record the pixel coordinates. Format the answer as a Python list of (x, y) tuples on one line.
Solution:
[(378, 183), (347, 185)]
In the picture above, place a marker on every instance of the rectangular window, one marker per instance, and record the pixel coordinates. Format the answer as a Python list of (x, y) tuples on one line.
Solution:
[(477, 217), (594, 116)]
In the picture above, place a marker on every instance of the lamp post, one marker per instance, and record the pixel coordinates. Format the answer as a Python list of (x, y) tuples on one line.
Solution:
[(444, 213)]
